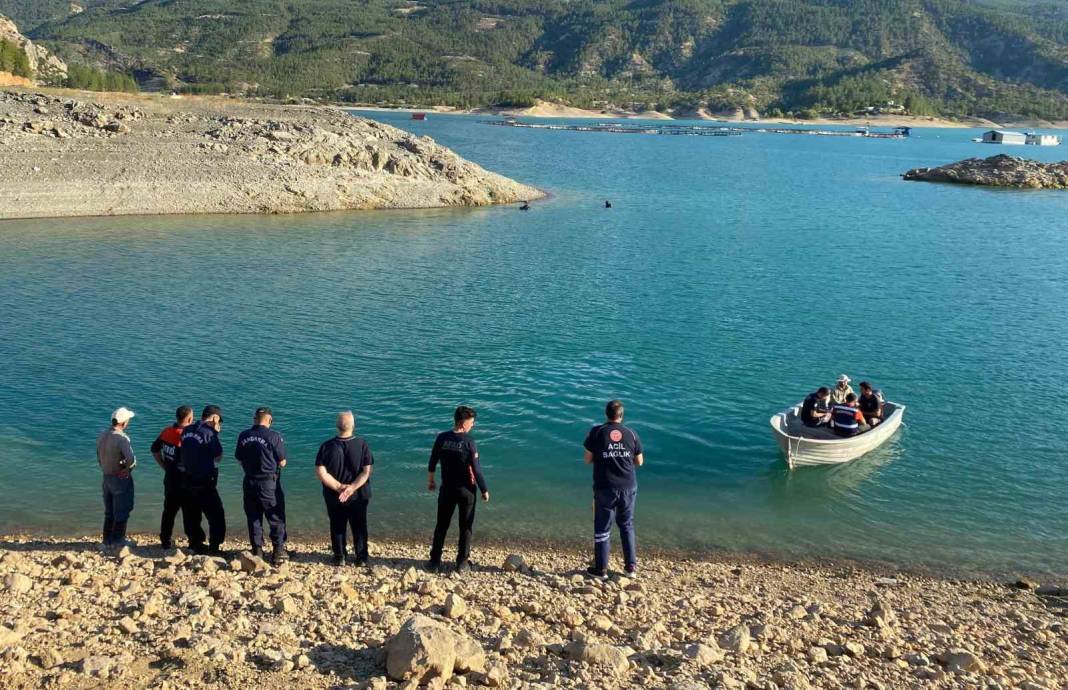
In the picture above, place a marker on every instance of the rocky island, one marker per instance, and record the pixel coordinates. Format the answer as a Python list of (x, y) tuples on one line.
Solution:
[(73, 618), (1001, 170), (121, 155)]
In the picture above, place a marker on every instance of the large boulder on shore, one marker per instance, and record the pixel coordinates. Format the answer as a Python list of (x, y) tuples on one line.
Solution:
[(1001, 170), (425, 649)]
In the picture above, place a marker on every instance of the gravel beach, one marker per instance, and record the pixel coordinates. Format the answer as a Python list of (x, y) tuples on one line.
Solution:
[(79, 154), (73, 618)]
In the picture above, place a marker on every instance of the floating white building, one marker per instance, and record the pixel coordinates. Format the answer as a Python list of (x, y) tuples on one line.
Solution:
[(999, 136), (1043, 139)]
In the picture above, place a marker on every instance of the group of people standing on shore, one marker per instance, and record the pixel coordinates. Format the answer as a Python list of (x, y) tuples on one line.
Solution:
[(190, 454), (840, 410)]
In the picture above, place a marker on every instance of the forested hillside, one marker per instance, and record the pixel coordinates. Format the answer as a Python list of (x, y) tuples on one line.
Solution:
[(993, 58)]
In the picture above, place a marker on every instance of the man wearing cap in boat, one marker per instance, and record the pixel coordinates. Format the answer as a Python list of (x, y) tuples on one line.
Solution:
[(115, 455), (842, 390)]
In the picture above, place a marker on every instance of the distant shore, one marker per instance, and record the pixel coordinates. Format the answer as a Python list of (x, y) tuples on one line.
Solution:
[(561, 111), (70, 153), (71, 617)]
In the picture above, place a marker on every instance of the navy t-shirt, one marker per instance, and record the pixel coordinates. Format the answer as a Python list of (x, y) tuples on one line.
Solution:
[(458, 456), (259, 450), (344, 459), (614, 448), (198, 452)]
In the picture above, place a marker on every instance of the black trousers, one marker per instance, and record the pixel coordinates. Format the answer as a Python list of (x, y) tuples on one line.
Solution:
[(459, 499), (203, 500), (263, 498), (345, 516), (173, 498)]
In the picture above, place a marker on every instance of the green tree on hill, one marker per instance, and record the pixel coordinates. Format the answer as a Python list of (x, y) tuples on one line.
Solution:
[(14, 60), (89, 79)]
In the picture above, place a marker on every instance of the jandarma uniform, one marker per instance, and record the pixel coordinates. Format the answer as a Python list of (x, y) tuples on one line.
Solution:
[(615, 488), (198, 460), (167, 444), (260, 450), (460, 475), (345, 459)]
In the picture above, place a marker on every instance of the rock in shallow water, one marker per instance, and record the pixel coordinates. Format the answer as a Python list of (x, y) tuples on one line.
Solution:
[(1001, 170)]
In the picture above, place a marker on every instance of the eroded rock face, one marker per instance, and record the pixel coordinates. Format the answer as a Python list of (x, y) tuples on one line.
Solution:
[(44, 64), (1001, 170)]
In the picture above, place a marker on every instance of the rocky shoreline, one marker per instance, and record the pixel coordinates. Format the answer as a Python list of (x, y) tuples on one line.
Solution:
[(112, 154), (73, 618), (1001, 170)]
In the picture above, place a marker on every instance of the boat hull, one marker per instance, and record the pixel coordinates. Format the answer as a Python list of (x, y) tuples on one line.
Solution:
[(806, 447)]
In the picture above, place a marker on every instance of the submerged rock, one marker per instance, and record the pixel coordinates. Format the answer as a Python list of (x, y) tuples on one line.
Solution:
[(1001, 170)]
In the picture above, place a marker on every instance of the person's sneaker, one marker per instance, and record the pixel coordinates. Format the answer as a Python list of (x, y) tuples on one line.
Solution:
[(279, 556), (337, 559), (215, 551), (165, 545), (631, 571), (257, 551), (360, 563), (198, 549), (463, 567), (433, 566), (599, 574)]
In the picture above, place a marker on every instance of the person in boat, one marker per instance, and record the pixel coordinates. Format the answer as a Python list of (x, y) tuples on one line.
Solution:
[(871, 404), (842, 390), (816, 410), (525, 206), (607, 203), (847, 419)]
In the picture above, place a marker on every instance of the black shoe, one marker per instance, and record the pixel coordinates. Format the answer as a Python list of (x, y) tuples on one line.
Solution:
[(360, 563), (215, 551), (433, 566), (257, 551), (165, 544), (463, 567), (337, 559), (198, 549), (599, 574), (279, 556)]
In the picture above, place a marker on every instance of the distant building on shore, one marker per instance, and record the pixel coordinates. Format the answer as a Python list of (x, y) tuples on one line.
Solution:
[(998, 136), (1043, 139)]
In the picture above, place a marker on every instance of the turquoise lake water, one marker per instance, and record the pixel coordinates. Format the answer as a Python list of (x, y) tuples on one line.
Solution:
[(732, 276)]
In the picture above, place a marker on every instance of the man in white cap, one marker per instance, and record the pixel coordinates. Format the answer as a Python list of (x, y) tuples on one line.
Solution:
[(116, 457), (841, 391)]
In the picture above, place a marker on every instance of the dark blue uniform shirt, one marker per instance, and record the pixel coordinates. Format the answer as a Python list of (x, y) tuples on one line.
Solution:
[(614, 448), (344, 459), (458, 456), (259, 450), (196, 456)]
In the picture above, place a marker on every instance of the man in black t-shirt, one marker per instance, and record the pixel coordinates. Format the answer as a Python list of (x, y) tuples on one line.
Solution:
[(816, 410), (460, 473), (871, 404), (615, 452), (344, 465)]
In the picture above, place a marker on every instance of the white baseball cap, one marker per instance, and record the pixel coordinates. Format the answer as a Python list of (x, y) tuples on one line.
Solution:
[(841, 379), (122, 415)]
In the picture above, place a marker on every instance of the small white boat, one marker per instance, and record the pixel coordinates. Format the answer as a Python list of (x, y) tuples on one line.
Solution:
[(805, 446)]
